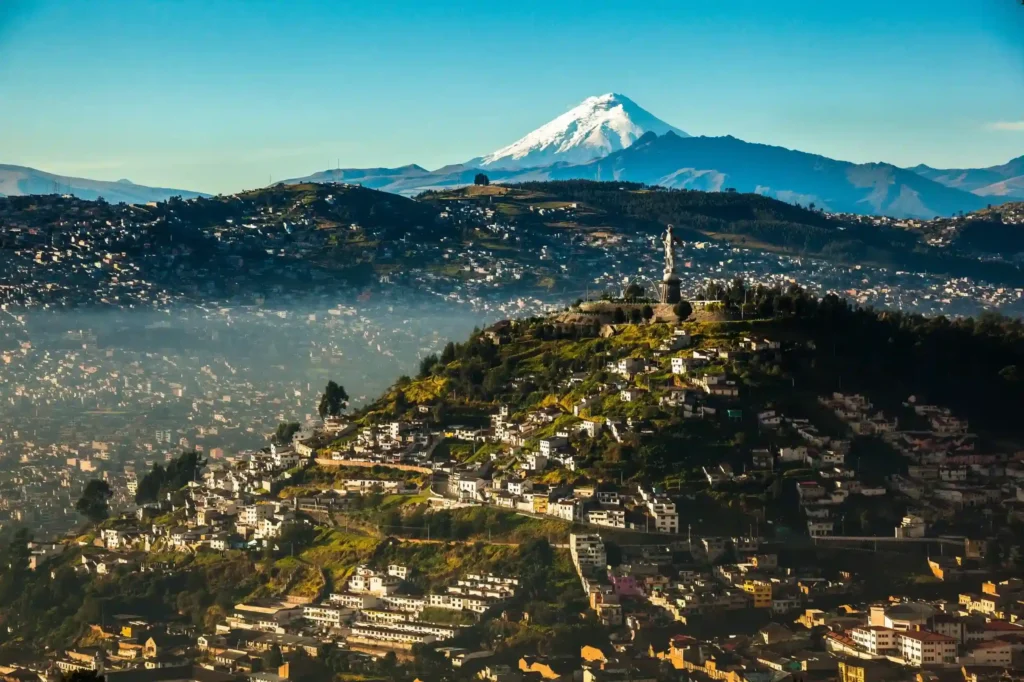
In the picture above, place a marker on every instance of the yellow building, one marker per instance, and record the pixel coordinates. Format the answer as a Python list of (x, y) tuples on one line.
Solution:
[(761, 591), (852, 672)]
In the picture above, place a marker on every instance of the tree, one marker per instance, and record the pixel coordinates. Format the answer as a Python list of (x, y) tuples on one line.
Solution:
[(214, 614), (14, 560), (427, 365), (683, 310), (333, 401), (296, 536), (160, 481), (388, 663), (304, 668), (635, 316), (401, 402), (633, 292), (613, 552), (93, 502), (535, 560), (285, 432), (448, 354), (647, 312), (272, 659), (481, 179), (619, 317)]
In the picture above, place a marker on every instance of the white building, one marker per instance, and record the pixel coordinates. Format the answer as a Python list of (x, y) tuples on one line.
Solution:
[(367, 581), (254, 514), (923, 648), (471, 487), (666, 522), (630, 366), (911, 527), (535, 461), (326, 615), (283, 458), (613, 518), (568, 509), (875, 639), (819, 527), (548, 446), (519, 486), (588, 553)]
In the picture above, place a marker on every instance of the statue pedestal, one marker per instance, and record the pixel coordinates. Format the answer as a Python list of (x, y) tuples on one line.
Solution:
[(670, 291)]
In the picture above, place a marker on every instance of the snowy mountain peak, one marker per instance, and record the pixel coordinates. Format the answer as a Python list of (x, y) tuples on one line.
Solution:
[(595, 128)]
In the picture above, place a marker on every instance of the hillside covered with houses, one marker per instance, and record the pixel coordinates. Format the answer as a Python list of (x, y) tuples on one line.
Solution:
[(729, 492)]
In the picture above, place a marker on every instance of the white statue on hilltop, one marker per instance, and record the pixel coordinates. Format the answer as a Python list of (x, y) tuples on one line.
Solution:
[(670, 256)]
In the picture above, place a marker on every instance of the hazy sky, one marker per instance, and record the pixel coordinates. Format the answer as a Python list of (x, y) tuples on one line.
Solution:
[(220, 95)]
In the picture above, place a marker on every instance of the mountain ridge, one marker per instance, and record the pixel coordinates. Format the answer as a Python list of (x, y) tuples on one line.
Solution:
[(1003, 180), (23, 180), (610, 137), (607, 138), (717, 163)]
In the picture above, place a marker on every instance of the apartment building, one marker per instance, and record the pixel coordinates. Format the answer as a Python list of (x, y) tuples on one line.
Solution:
[(922, 648), (588, 553)]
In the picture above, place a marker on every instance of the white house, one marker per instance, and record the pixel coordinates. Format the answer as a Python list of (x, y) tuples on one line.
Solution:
[(535, 461), (567, 509), (471, 486), (922, 648), (630, 366), (611, 517), (819, 527), (519, 486), (549, 445)]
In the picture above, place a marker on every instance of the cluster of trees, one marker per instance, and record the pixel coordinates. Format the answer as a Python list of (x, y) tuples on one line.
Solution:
[(333, 401), (990, 235), (477, 359), (447, 524), (480, 370), (32, 604), (162, 480), (285, 431), (971, 365), (53, 607), (295, 537), (635, 315), (634, 292), (975, 366), (94, 502)]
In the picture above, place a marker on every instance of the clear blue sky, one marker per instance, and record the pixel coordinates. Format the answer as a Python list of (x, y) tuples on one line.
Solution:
[(220, 95)]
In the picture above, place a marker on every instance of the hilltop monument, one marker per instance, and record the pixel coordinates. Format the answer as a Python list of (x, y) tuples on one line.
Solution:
[(670, 281)]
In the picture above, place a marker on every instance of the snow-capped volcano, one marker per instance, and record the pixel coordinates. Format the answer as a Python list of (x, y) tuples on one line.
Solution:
[(597, 127)]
